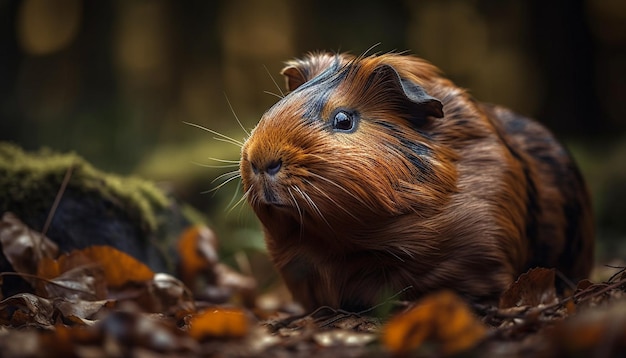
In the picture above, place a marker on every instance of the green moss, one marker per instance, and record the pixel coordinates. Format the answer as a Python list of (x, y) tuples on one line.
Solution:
[(34, 179)]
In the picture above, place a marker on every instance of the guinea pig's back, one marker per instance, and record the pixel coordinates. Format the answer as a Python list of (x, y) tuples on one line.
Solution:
[(559, 225)]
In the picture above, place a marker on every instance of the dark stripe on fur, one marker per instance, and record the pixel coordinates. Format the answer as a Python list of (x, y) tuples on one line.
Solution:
[(316, 100), (538, 250), (416, 153)]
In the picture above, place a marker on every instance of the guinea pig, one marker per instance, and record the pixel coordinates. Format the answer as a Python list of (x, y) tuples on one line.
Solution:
[(376, 176)]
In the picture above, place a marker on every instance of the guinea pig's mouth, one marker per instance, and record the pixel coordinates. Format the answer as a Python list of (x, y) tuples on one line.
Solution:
[(277, 205), (268, 195)]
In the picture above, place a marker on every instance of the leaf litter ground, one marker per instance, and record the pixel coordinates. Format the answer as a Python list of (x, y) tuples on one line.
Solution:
[(99, 301)]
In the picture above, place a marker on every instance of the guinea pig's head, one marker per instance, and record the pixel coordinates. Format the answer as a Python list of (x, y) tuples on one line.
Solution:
[(351, 142)]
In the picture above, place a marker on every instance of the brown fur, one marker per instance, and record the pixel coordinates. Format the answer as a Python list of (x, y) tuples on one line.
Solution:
[(423, 195)]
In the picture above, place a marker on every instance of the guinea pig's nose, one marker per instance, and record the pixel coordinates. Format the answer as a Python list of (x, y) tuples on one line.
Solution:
[(271, 168)]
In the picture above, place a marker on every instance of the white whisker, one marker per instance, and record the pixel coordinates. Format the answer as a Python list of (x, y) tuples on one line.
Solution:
[(234, 173), (394, 255), (406, 251), (229, 141), (224, 160), (232, 200), (215, 166), (282, 95), (273, 94), (331, 199), (370, 49), (340, 187), (295, 202), (313, 206), (235, 115), (241, 200), (222, 184), (221, 136)]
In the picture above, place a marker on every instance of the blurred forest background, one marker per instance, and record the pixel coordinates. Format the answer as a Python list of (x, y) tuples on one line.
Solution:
[(114, 80)]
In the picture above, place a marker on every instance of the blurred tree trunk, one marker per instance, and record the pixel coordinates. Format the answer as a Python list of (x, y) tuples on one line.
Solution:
[(565, 53), (351, 26)]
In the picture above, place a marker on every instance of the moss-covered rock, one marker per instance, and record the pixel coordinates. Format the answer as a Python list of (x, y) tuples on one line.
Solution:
[(128, 213)]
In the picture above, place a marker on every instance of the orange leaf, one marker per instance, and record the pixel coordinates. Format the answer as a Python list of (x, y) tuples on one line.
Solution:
[(48, 268), (197, 249), (602, 329), (218, 323), (119, 267), (442, 318)]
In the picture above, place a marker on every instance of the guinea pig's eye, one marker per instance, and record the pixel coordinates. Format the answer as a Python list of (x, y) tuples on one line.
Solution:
[(344, 121)]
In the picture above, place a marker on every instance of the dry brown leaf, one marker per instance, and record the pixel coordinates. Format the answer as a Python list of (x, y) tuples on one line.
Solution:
[(343, 337), (118, 267), (598, 332), (442, 318), (22, 343), (22, 246), (26, 309), (533, 288), (57, 343), (234, 282), (84, 282), (199, 261), (219, 323), (585, 284), (197, 249), (165, 294), (132, 329), (79, 311)]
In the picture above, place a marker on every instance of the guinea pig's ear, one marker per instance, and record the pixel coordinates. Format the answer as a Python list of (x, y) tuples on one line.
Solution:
[(299, 71), (419, 103), (294, 77)]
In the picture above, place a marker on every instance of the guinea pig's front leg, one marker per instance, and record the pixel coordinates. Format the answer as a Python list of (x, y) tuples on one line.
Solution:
[(304, 283)]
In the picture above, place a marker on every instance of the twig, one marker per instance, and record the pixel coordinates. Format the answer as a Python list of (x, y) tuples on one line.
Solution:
[(57, 199), (345, 314), (606, 289), (35, 277), (581, 296), (622, 269)]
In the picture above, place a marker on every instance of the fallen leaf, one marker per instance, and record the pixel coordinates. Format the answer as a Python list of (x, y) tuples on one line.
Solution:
[(599, 332), (533, 288), (218, 323), (199, 263), (165, 294), (585, 284), (131, 328), (57, 343), (24, 247), (442, 318), (26, 309), (22, 343), (118, 267), (235, 282), (81, 310), (343, 337), (84, 282), (48, 268), (197, 249)]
